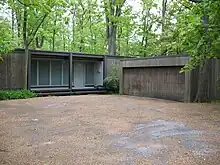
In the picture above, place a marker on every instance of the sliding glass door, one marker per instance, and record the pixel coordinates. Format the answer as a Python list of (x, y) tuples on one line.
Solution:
[(89, 74), (49, 72)]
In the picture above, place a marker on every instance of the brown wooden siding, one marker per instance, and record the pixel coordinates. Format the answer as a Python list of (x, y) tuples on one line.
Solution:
[(157, 82), (12, 71), (218, 79)]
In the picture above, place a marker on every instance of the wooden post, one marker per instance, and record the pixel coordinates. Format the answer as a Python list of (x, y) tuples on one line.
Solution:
[(121, 79), (105, 67), (188, 87), (29, 71), (70, 70)]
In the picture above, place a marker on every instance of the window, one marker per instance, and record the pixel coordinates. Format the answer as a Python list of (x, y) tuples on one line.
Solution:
[(56, 72), (44, 72), (89, 73), (49, 72), (34, 72), (65, 72)]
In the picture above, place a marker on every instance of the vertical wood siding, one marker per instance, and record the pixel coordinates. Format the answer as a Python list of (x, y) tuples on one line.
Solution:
[(157, 82)]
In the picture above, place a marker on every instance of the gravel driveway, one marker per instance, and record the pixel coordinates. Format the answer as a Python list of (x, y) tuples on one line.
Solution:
[(108, 129)]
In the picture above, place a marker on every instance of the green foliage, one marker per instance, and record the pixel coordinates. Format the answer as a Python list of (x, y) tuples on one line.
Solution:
[(196, 37), (7, 44), (81, 26), (16, 94), (111, 82)]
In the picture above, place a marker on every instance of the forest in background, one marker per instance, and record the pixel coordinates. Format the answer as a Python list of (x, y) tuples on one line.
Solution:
[(115, 27)]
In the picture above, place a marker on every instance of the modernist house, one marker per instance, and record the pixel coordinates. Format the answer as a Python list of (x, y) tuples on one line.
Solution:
[(59, 72)]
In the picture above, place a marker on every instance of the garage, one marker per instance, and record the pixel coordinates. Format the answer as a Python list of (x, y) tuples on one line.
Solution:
[(157, 82), (158, 77)]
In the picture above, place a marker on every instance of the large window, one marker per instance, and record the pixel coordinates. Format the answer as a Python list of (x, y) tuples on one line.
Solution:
[(65, 72), (44, 72), (89, 74), (56, 72), (34, 72), (49, 72)]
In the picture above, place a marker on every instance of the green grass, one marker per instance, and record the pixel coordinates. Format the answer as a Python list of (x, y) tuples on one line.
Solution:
[(16, 94)]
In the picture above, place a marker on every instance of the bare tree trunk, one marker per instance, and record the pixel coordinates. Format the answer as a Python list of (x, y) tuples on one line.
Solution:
[(81, 23), (54, 34), (91, 32), (18, 21), (144, 30), (64, 42), (112, 9), (13, 23), (202, 92), (119, 40), (127, 42), (112, 40), (39, 41), (25, 46), (73, 30), (164, 9)]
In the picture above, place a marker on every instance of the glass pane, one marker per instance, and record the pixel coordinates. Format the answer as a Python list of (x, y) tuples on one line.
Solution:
[(56, 72), (44, 72), (65, 72), (90, 73), (34, 72)]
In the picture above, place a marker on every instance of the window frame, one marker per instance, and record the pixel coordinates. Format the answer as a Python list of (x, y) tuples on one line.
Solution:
[(50, 69)]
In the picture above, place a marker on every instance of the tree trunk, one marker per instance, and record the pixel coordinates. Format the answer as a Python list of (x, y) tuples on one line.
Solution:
[(164, 9), (25, 40), (13, 23), (119, 40), (112, 40), (203, 81), (112, 9), (81, 37), (73, 30), (127, 42), (18, 20), (202, 92), (54, 34), (39, 41), (145, 46), (144, 31), (64, 42)]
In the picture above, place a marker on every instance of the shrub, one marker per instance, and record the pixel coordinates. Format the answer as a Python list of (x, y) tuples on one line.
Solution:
[(16, 94), (111, 82)]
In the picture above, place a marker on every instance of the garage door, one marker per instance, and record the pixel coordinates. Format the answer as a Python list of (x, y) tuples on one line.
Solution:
[(156, 82)]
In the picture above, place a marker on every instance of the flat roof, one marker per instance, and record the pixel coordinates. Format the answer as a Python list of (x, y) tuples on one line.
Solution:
[(155, 57), (74, 54)]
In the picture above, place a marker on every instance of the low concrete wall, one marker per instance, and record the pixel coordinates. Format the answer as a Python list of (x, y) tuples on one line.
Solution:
[(12, 71)]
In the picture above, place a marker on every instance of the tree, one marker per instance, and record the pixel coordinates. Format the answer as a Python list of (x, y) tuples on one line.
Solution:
[(113, 10), (38, 10), (200, 38), (7, 44)]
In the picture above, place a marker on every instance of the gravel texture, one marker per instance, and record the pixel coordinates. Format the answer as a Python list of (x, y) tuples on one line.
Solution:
[(108, 129)]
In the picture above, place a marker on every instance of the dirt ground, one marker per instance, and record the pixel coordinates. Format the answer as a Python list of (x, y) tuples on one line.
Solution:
[(108, 129)]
